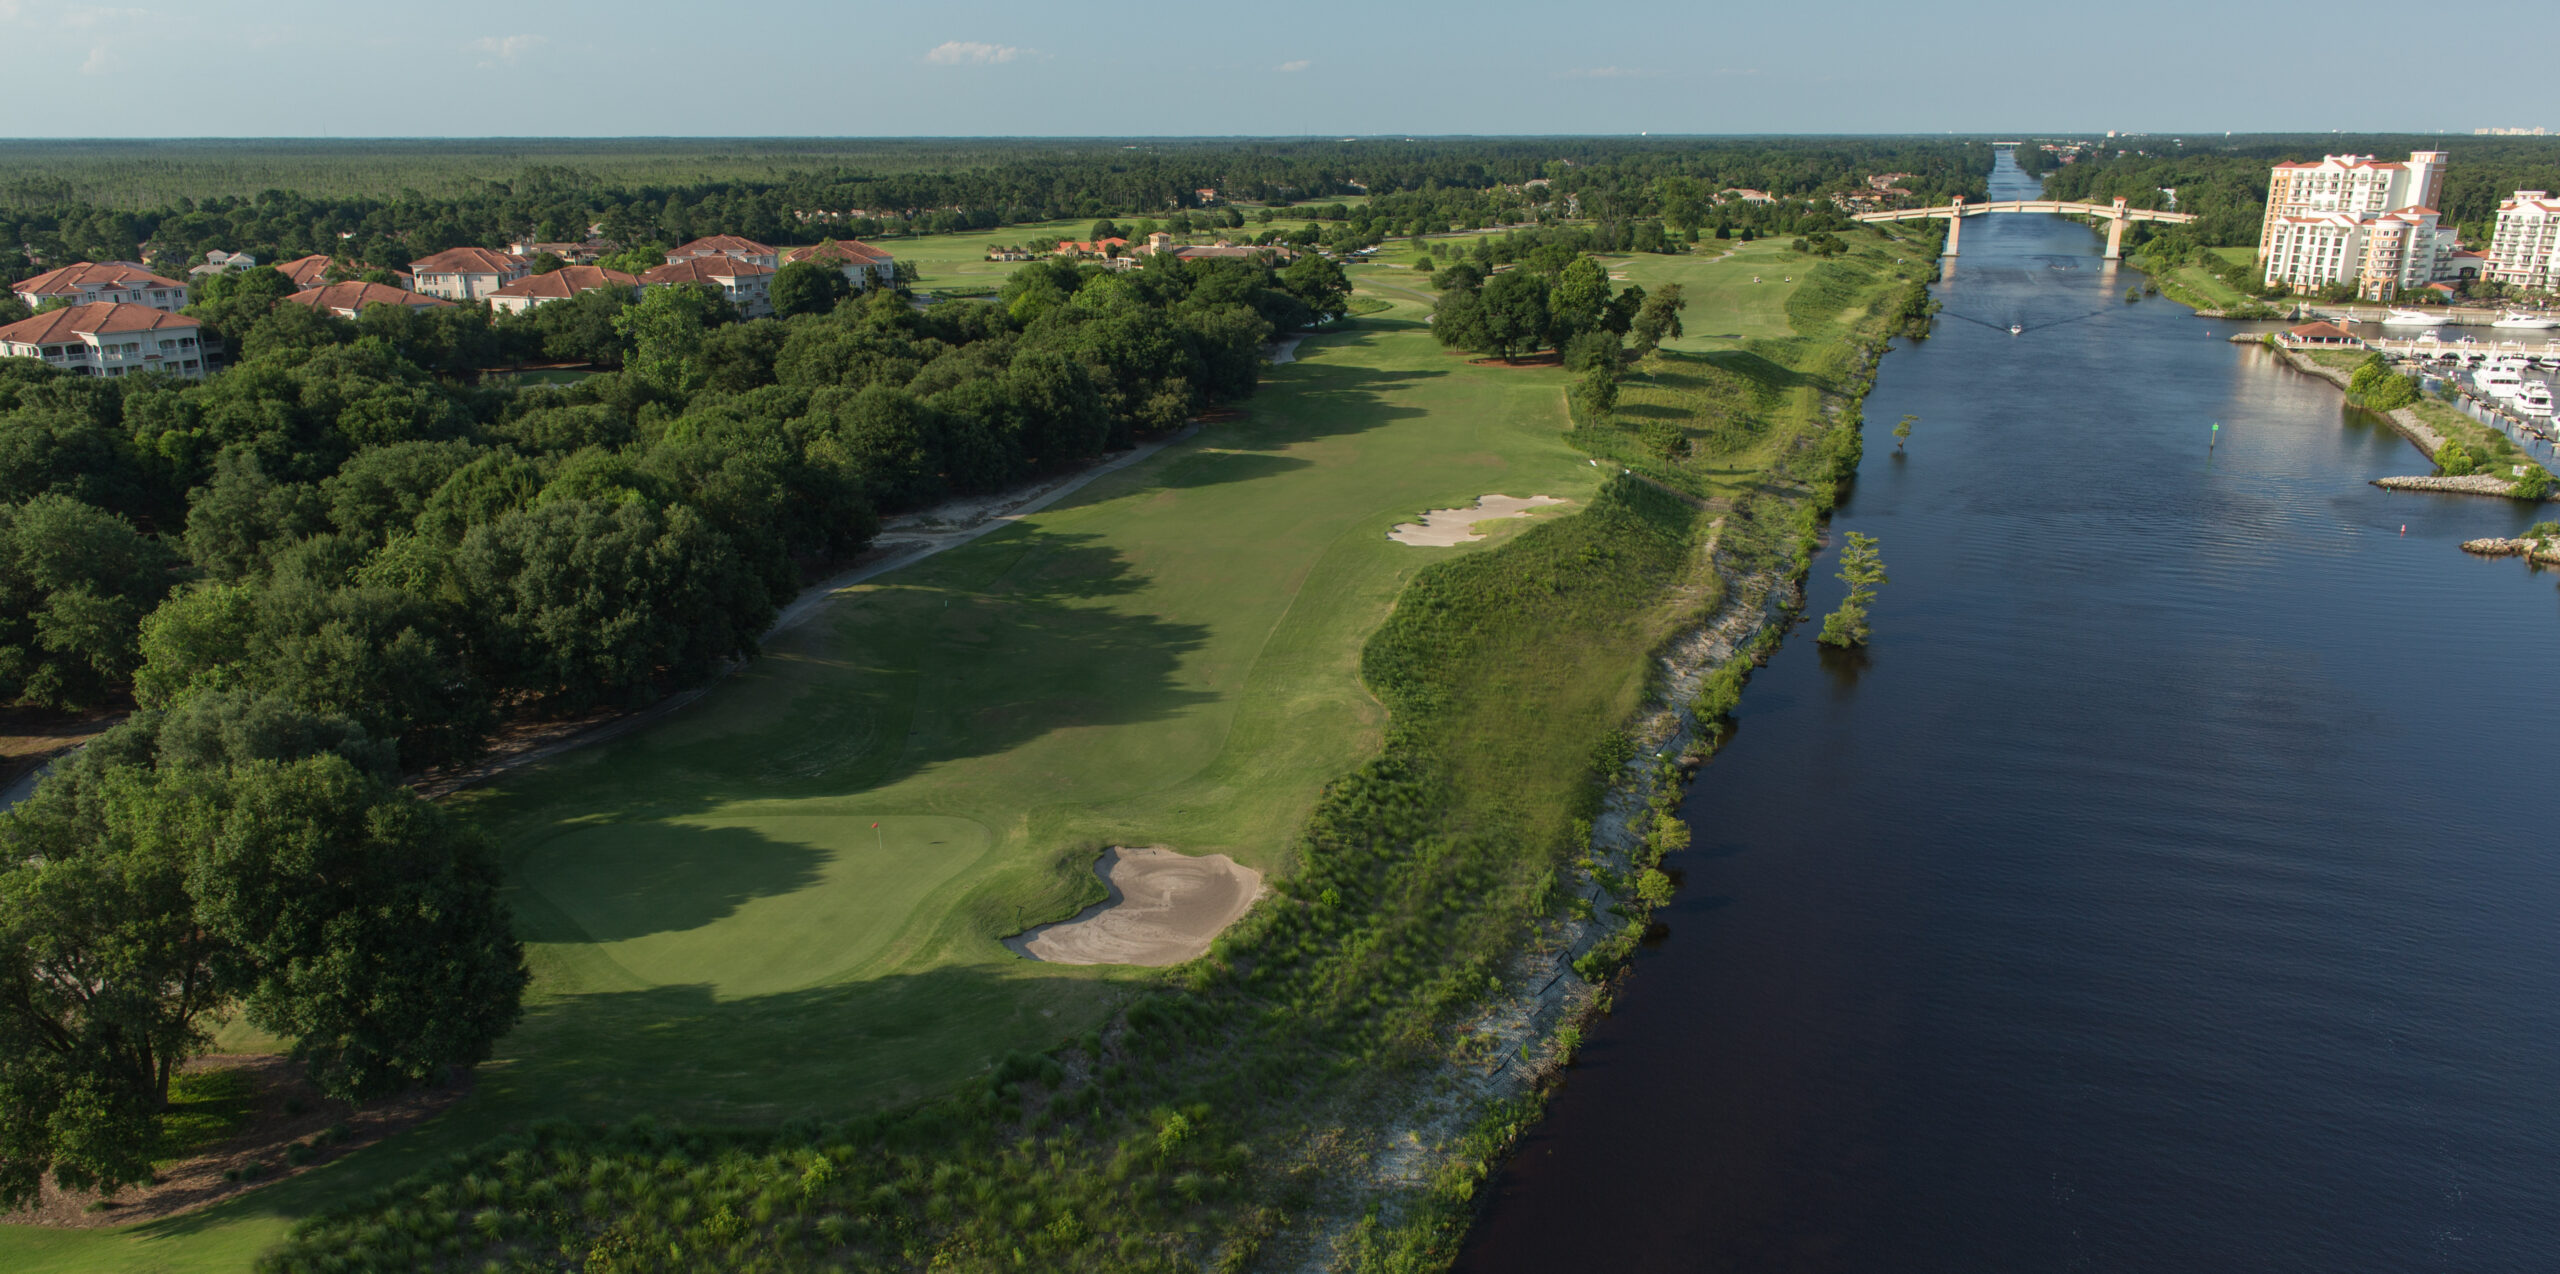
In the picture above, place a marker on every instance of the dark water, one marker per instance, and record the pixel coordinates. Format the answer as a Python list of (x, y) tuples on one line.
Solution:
[(2173, 888)]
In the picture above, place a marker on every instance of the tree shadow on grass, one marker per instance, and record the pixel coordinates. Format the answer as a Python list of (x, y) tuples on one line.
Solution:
[(653, 876), (683, 1055), (974, 652)]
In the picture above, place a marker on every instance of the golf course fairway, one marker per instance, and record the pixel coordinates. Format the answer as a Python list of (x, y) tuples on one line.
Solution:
[(787, 899)]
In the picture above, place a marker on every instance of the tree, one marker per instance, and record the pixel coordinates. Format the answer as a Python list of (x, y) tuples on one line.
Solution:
[(2534, 485), (237, 854), (665, 331), (1318, 283), (75, 582), (2453, 460), (1658, 321), (545, 262), (1581, 297), (1862, 568), (1516, 317), (808, 287), (1902, 430)]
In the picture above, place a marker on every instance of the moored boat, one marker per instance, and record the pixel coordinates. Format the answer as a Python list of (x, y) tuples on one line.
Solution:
[(2526, 320)]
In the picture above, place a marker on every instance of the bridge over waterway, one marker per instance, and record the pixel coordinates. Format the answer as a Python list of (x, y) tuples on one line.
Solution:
[(2116, 216)]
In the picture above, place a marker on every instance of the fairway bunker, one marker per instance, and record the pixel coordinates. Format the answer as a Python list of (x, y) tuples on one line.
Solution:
[(1164, 908), (1441, 528)]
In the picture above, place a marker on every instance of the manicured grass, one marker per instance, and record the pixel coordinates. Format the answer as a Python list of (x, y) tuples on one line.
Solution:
[(1737, 292), (1168, 656), (2202, 288), (1748, 377)]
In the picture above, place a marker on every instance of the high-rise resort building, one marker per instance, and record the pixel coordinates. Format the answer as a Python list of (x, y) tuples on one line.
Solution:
[(2525, 249), (2354, 219)]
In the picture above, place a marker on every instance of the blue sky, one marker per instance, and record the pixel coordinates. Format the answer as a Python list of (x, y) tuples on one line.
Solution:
[(111, 68)]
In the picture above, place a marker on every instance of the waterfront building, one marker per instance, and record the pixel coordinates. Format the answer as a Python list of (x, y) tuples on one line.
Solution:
[(2525, 248), (2357, 220)]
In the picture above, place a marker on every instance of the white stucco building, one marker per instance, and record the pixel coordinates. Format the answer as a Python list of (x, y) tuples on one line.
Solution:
[(2525, 249), (468, 274), (109, 338), (109, 282), (2357, 220)]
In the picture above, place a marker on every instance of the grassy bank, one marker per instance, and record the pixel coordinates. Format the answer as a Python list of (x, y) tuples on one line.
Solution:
[(767, 1034)]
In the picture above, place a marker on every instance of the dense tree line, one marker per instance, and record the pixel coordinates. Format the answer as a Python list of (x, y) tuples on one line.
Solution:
[(1415, 186), (329, 566)]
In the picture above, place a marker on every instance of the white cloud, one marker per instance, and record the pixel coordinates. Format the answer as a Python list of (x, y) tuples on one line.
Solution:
[(975, 53), (1607, 73), (102, 60), (1298, 65), (497, 50)]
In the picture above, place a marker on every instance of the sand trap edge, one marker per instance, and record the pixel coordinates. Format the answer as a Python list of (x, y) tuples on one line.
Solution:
[(1156, 913)]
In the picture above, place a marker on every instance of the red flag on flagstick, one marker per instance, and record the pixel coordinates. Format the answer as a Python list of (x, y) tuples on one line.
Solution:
[(875, 826)]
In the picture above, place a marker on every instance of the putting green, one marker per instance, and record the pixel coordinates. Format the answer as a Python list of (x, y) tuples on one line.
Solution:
[(749, 905)]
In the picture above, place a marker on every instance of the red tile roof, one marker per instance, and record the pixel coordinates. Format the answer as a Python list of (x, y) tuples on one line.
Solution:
[(845, 251), (71, 278), (307, 272), (711, 269), (2321, 332), (469, 261), (355, 296), (568, 281), (99, 317), (722, 245)]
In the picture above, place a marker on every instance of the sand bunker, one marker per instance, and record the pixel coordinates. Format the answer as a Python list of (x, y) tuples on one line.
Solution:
[(1443, 527), (1164, 908)]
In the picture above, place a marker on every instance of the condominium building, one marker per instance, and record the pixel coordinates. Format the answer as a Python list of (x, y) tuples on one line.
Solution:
[(2525, 248), (468, 274), (108, 338), (559, 285), (2357, 220), (94, 282), (745, 284)]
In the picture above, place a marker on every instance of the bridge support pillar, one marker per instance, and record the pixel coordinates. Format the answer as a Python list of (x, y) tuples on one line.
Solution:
[(1955, 226), (2115, 233)]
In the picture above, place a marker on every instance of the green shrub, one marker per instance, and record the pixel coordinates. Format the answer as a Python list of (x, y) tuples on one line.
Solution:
[(2454, 460)]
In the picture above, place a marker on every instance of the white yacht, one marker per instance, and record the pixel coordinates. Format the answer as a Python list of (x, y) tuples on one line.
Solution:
[(2410, 318), (2526, 321), (2499, 378), (2534, 399)]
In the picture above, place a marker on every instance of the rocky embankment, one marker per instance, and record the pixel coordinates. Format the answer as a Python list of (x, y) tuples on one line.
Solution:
[(2544, 551), (2467, 484)]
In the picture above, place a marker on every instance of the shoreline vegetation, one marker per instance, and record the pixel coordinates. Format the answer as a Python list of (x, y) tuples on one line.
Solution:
[(2431, 426), (1437, 924)]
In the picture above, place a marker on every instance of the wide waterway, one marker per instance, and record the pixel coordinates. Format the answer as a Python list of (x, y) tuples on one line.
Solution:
[(2174, 886)]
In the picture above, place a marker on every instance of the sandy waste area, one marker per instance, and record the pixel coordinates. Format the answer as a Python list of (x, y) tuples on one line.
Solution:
[(1441, 528), (1164, 908)]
